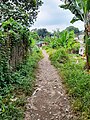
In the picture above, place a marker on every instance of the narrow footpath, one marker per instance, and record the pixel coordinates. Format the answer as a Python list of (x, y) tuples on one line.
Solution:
[(49, 101)]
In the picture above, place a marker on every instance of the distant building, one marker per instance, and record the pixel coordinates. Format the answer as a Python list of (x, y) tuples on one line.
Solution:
[(80, 39), (81, 50)]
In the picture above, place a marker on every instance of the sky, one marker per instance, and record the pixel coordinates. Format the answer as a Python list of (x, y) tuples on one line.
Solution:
[(52, 17)]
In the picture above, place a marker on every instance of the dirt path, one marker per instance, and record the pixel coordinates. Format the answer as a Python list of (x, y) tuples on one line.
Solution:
[(48, 101)]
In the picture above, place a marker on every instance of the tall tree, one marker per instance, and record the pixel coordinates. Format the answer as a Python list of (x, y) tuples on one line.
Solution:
[(81, 10), (23, 11), (72, 28), (43, 32)]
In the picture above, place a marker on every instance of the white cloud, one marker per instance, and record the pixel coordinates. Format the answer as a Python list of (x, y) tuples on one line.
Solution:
[(51, 16), (79, 24)]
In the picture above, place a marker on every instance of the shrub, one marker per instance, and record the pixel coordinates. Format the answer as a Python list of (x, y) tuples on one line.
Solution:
[(60, 56), (13, 95), (75, 48)]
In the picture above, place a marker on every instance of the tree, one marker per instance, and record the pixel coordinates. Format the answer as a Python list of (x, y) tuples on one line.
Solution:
[(34, 37), (72, 28), (43, 32), (81, 10), (23, 11)]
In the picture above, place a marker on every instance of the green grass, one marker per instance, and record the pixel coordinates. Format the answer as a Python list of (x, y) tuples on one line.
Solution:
[(76, 80), (13, 96)]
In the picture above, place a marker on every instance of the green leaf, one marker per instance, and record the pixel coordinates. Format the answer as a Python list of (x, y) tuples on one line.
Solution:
[(74, 19)]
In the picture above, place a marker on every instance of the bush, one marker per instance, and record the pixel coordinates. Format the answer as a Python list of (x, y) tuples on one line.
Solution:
[(13, 95), (24, 76), (60, 56), (75, 48), (12, 34), (16, 78)]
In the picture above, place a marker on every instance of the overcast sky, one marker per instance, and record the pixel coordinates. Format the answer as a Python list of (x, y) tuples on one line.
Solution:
[(52, 17)]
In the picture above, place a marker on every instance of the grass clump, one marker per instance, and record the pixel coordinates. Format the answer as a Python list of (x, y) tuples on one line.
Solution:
[(76, 79)]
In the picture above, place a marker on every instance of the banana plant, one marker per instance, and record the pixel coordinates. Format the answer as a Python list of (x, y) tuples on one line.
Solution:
[(81, 10)]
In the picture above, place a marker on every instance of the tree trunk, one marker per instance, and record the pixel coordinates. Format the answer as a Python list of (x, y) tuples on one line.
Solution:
[(87, 40)]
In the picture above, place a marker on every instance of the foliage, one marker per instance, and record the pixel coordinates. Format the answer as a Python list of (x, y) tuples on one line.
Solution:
[(43, 32), (4, 66), (77, 81), (16, 64), (72, 28), (34, 37), (60, 56), (16, 82), (47, 39), (81, 10), (24, 76), (12, 35), (63, 39), (13, 95), (15, 31), (75, 7), (75, 48), (24, 12), (67, 39)]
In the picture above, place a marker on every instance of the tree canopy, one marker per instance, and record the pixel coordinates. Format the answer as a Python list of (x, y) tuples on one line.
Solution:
[(70, 28), (23, 11), (43, 32)]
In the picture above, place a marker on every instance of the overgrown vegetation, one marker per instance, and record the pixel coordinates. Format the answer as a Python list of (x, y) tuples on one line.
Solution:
[(24, 12), (13, 95), (18, 56), (64, 39), (18, 60), (63, 52), (81, 10), (76, 79), (14, 42)]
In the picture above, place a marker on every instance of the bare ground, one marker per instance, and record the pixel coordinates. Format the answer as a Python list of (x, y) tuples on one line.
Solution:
[(49, 101)]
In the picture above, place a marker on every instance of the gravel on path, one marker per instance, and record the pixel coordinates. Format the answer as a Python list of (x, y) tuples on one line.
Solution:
[(49, 101)]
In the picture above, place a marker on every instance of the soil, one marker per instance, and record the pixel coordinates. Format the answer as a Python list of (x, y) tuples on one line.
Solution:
[(49, 101)]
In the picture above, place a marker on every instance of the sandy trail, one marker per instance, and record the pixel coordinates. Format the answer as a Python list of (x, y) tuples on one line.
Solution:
[(49, 101)]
